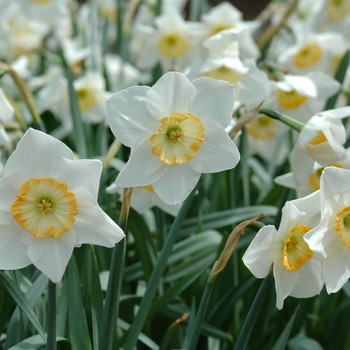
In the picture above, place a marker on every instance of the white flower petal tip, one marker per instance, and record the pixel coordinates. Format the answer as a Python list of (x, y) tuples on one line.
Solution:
[(180, 135), (48, 210)]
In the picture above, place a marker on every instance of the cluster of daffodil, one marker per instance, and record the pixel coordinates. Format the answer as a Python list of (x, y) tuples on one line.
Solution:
[(153, 128)]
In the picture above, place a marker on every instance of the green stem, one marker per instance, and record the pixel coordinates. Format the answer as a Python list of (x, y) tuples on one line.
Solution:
[(253, 313), (291, 122), (195, 331), (51, 317), (157, 273), (110, 312)]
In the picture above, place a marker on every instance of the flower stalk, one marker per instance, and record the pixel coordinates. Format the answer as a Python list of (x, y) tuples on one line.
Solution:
[(110, 313), (51, 317), (291, 122)]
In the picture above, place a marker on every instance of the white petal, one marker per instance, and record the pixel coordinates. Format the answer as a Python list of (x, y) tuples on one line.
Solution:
[(92, 225), (303, 85), (176, 183), (309, 281), (82, 173), (285, 281), (261, 252), (217, 153), (51, 255), (173, 92), (7, 111), (336, 271), (326, 86), (214, 100), (337, 113), (143, 167), (13, 253), (35, 154), (128, 116), (286, 180), (9, 188)]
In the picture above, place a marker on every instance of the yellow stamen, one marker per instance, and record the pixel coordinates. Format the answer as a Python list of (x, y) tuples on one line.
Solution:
[(178, 138), (319, 138), (342, 225), (308, 55), (149, 188), (296, 251), (262, 128), (224, 73), (173, 45), (86, 98), (291, 99), (338, 9), (45, 208)]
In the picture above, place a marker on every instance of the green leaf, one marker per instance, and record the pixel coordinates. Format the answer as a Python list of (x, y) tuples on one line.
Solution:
[(173, 292), (77, 325), (144, 243), (142, 337), (33, 343), (33, 294), (22, 302), (227, 217), (93, 296), (282, 340), (339, 76)]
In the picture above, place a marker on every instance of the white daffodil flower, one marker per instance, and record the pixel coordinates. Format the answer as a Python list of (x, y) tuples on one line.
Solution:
[(91, 96), (49, 206), (224, 62), (323, 136), (175, 130), (306, 174), (331, 237), (301, 96), (221, 17), (173, 42), (296, 268), (317, 52)]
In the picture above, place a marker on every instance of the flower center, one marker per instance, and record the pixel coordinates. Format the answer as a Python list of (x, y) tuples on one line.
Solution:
[(45, 208), (173, 45), (296, 251), (319, 138), (342, 225), (224, 73), (178, 138), (338, 9), (86, 98), (308, 55), (262, 128), (291, 99)]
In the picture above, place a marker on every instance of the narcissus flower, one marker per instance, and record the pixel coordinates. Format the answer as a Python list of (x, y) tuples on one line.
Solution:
[(49, 206), (331, 237), (296, 268), (175, 130)]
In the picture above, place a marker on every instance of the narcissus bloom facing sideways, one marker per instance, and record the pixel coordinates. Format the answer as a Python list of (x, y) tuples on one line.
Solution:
[(175, 130), (296, 268), (48, 206), (331, 237)]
